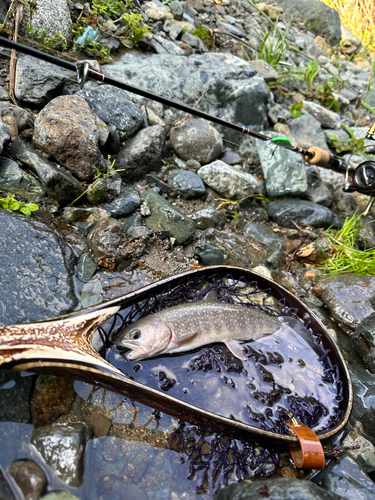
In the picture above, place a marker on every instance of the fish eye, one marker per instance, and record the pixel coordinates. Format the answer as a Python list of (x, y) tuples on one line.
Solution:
[(135, 334)]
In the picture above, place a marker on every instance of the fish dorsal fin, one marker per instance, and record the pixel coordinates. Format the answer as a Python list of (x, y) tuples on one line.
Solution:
[(212, 296), (184, 339), (235, 348)]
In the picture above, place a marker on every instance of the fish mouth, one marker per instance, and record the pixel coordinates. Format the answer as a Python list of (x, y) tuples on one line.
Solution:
[(134, 350)]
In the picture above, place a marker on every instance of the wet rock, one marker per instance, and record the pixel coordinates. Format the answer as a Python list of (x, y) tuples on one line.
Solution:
[(346, 479), (349, 298), (11, 123), (125, 204), (208, 217), (142, 154), (66, 129), (307, 131), (58, 184), (275, 255), (324, 21), (262, 233), (52, 397), (284, 171), (86, 268), (227, 181), (38, 82), (327, 118), (101, 424), (317, 190), (17, 389), (285, 212), (164, 217), (233, 85), (29, 477), (132, 221), (114, 106), (186, 184), (138, 232), (230, 157), (5, 135), (209, 254), (85, 227), (27, 250), (73, 214), (197, 140), (23, 117), (18, 182), (92, 294), (106, 237), (62, 447), (364, 341), (279, 488), (52, 16)]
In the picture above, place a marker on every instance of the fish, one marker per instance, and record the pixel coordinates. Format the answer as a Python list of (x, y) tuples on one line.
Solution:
[(188, 326)]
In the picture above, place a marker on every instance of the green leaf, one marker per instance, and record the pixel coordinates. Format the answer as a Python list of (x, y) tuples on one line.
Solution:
[(4, 202), (25, 210), (32, 206), (14, 205)]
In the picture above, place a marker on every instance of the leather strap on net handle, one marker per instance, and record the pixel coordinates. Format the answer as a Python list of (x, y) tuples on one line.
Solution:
[(310, 455)]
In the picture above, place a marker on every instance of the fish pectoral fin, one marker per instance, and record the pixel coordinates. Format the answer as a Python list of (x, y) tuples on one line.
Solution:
[(183, 339), (235, 348)]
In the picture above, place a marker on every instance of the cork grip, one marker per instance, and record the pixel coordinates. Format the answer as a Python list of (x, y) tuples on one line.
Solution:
[(321, 158), (310, 455)]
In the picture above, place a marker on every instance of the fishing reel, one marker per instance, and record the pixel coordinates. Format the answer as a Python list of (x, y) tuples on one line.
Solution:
[(358, 177)]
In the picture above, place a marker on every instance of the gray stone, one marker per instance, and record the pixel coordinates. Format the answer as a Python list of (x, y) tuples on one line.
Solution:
[(349, 298), (209, 254), (23, 117), (165, 217), (85, 227), (132, 221), (186, 184), (103, 131), (113, 106), (58, 184), (281, 488), (287, 212), (30, 250), (314, 51), (323, 20), (349, 41), (364, 341), (153, 12), (17, 389), (86, 268), (317, 190), (194, 42), (176, 9), (62, 447), (106, 237), (174, 30), (142, 154), (230, 157), (4, 6), (153, 180), (268, 72), (307, 131), (347, 479), (197, 140), (163, 46), (18, 182), (5, 135), (73, 214), (284, 171), (138, 232), (327, 118), (66, 129), (236, 92), (233, 30), (125, 204), (29, 477), (92, 294), (38, 82), (50, 15), (275, 256), (228, 181), (208, 217)]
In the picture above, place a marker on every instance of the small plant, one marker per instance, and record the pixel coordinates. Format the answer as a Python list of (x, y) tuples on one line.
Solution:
[(344, 256), (351, 144), (273, 44), (234, 204), (295, 109), (99, 176), (10, 203), (44, 37), (204, 35)]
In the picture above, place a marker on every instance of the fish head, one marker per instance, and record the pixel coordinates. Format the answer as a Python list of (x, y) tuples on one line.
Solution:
[(145, 338)]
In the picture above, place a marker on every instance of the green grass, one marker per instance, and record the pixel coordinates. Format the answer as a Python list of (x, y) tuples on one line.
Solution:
[(344, 255)]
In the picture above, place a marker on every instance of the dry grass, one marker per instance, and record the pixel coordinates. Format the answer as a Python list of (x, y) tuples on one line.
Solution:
[(359, 17)]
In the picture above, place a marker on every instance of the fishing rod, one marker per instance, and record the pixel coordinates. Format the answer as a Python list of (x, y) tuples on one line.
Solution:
[(359, 178)]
